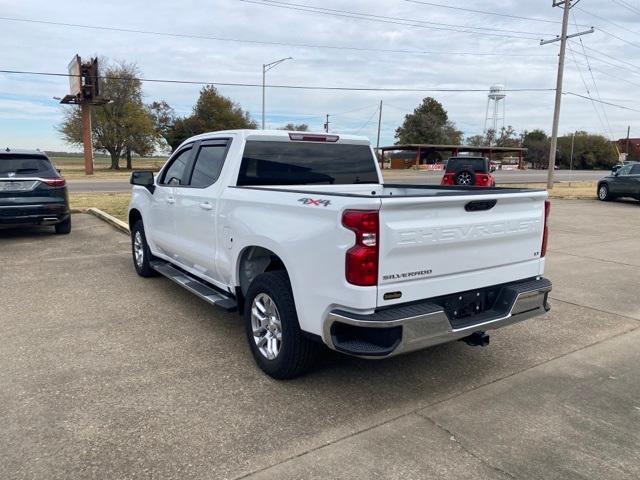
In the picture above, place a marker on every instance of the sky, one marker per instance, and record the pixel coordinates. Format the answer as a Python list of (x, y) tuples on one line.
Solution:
[(442, 48)]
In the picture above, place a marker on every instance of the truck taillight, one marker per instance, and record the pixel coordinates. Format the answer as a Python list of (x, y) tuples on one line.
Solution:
[(545, 233), (361, 267)]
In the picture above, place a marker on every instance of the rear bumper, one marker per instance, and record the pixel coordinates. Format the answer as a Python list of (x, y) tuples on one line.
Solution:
[(40, 214), (405, 328)]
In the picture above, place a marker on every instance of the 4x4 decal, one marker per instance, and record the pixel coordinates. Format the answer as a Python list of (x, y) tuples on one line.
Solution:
[(314, 202)]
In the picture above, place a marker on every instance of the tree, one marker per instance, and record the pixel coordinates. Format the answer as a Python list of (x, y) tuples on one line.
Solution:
[(211, 112), (589, 151), (124, 124), (475, 141), (537, 144), (163, 117), (508, 138), (291, 127), (429, 123)]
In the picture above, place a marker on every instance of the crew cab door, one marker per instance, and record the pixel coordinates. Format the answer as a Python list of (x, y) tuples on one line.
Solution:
[(197, 207), (160, 223)]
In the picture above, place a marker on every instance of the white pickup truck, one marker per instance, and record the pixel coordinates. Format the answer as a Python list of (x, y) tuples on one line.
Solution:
[(300, 234)]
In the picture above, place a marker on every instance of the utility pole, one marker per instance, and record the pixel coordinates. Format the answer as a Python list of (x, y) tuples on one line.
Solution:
[(573, 139), (566, 4), (379, 126), (627, 149), (326, 125)]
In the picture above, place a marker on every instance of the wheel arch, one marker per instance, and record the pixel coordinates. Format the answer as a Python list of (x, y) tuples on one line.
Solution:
[(134, 216), (254, 260)]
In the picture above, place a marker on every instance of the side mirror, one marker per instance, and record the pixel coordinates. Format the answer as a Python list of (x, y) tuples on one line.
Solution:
[(493, 168), (616, 173), (143, 179)]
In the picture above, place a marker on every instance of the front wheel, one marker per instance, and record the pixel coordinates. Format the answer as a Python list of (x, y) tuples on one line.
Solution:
[(273, 332), (603, 192), (140, 250)]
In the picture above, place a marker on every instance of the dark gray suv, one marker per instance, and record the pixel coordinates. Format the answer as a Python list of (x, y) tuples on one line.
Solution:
[(32, 191), (625, 182)]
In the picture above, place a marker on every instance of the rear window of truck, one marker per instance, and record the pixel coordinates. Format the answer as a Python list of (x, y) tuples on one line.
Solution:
[(292, 163), (26, 166)]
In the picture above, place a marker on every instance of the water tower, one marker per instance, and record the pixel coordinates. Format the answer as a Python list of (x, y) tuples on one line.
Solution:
[(492, 117)]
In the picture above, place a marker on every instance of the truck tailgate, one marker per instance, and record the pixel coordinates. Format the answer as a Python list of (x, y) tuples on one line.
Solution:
[(432, 246)]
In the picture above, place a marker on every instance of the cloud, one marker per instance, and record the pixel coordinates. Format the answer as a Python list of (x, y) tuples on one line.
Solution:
[(28, 46)]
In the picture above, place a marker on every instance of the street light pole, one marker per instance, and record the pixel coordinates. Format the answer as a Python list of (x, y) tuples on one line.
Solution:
[(573, 139), (265, 68)]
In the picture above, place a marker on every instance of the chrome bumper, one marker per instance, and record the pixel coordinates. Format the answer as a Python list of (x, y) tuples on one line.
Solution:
[(405, 328)]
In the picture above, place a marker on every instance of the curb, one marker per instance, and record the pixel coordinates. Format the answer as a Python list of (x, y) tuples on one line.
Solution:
[(110, 219)]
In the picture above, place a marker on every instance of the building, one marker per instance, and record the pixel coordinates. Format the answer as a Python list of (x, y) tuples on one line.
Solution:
[(433, 157)]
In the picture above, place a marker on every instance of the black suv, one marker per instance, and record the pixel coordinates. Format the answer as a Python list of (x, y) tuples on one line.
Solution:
[(625, 182), (32, 191)]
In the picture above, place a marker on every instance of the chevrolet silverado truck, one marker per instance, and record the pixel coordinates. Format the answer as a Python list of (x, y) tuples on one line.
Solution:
[(300, 234)]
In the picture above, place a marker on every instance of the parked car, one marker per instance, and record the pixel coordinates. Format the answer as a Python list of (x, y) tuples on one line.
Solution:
[(625, 182), (469, 172), (299, 233), (32, 191)]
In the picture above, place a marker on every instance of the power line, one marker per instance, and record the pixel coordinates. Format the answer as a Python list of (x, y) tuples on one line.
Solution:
[(619, 38), (586, 87), (629, 7), (264, 42), (602, 101), (393, 20), (369, 120), (607, 56), (617, 25), (595, 85), (484, 12), (294, 87)]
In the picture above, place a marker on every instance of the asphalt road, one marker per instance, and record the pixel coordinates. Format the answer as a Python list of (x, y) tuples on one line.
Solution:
[(98, 184), (107, 375)]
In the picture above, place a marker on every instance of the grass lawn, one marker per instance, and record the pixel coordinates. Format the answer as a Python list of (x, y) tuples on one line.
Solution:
[(566, 190), (115, 204), (73, 167)]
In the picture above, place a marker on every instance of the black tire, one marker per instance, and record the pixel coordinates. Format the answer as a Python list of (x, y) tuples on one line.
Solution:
[(297, 354), (465, 178), (143, 267), (603, 192), (64, 227)]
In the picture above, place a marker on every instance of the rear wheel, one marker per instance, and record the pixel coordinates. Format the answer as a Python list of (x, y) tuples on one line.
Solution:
[(273, 332), (140, 250), (603, 192), (64, 227), (465, 178)]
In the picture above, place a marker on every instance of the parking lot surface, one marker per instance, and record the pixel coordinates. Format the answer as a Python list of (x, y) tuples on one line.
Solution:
[(108, 375)]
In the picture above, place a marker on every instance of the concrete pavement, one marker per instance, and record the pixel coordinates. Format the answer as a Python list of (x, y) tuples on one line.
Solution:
[(121, 184), (107, 375)]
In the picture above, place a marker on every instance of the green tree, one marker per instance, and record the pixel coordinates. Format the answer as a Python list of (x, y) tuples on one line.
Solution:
[(211, 112), (537, 144), (122, 125), (429, 123), (292, 127), (589, 151), (475, 141)]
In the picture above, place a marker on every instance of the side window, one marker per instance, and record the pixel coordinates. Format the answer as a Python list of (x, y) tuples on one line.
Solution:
[(175, 172), (636, 169), (208, 165), (625, 170)]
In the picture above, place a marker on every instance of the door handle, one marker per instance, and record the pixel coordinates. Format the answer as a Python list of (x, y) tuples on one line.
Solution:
[(171, 200), (206, 206)]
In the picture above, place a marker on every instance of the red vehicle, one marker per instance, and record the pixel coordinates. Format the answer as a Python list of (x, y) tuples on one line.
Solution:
[(469, 172)]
